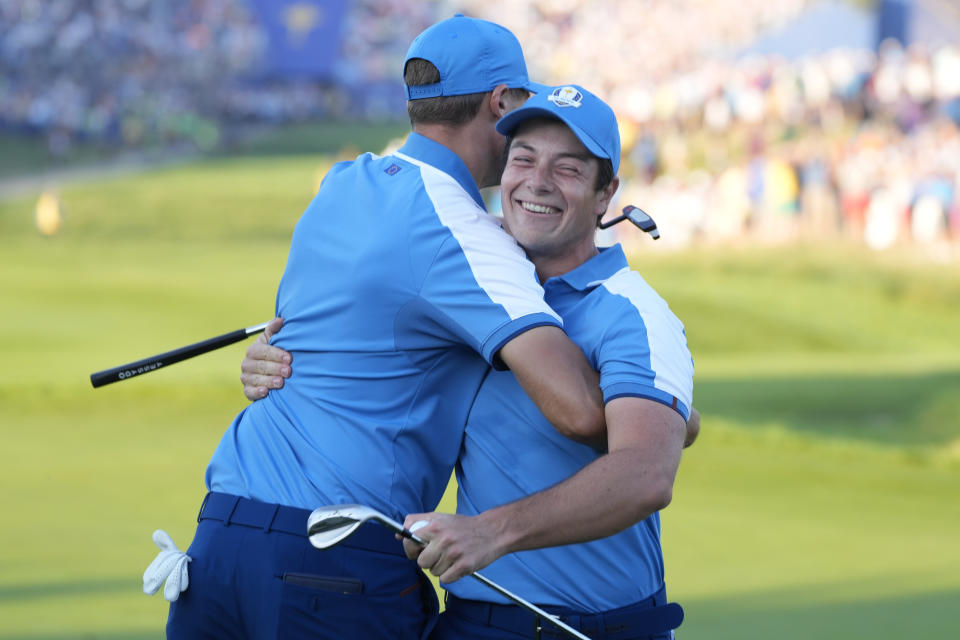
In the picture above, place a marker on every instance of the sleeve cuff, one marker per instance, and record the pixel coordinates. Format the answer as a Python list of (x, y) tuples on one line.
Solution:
[(626, 389), (509, 331)]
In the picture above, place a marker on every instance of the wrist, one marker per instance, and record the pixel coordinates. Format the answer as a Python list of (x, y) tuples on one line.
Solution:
[(500, 527)]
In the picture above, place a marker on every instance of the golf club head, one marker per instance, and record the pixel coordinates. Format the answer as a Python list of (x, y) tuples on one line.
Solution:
[(327, 526), (638, 217), (642, 219)]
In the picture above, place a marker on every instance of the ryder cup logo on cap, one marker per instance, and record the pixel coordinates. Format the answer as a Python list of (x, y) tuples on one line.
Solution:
[(472, 56), (566, 97), (589, 117)]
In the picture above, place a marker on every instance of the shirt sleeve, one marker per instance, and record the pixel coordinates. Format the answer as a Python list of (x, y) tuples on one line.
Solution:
[(644, 354), (482, 289)]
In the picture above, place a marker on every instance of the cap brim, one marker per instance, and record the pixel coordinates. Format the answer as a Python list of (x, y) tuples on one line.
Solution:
[(509, 123)]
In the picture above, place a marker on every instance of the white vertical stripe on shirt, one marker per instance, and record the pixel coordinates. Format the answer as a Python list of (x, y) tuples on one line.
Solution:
[(669, 354), (497, 262)]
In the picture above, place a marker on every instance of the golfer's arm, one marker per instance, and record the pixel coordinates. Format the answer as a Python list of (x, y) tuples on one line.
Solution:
[(632, 481), (693, 428), (557, 377)]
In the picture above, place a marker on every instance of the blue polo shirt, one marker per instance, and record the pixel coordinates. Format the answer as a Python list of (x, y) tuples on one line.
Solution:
[(638, 345), (399, 291)]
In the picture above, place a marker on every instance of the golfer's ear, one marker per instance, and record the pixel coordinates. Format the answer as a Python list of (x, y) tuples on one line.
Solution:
[(499, 102), (606, 195)]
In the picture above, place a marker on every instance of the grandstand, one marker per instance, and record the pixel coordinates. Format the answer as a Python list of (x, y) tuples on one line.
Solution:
[(792, 118)]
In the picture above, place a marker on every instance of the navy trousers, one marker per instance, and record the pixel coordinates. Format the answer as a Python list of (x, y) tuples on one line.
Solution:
[(651, 619), (255, 575)]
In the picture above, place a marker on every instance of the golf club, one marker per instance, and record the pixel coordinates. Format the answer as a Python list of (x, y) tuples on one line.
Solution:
[(328, 526), (153, 363), (637, 216)]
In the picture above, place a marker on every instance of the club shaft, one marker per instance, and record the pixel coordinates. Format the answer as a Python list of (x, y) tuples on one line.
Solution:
[(507, 593), (529, 605), (161, 360)]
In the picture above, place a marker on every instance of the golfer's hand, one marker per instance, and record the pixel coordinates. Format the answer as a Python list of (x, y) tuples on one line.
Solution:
[(265, 366), (455, 545)]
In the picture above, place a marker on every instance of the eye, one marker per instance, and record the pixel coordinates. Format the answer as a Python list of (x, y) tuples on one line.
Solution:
[(522, 159), (569, 170)]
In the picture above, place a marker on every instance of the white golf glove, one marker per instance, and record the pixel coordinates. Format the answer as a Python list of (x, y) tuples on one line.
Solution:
[(170, 565)]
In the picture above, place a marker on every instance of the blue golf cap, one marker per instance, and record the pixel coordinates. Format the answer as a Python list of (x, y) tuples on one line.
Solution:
[(472, 56), (589, 117)]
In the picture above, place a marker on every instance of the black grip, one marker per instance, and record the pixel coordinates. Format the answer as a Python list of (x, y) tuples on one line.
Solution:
[(153, 363)]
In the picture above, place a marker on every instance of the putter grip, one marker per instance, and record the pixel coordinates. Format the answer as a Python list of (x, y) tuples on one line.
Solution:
[(153, 363)]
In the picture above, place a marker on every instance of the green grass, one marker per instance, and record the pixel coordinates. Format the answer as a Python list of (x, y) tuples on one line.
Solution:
[(323, 137), (821, 500), (22, 154)]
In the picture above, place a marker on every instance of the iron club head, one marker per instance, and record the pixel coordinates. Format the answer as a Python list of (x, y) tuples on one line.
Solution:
[(327, 526)]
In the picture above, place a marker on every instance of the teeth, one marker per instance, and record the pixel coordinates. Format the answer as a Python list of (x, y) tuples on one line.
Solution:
[(537, 208)]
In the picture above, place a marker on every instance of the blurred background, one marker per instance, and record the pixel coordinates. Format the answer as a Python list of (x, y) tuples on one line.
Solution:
[(801, 158), (774, 119)]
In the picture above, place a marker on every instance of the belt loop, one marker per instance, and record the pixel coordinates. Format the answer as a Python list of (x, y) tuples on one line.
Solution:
[(203, 505), (236, 501), (273, 516)]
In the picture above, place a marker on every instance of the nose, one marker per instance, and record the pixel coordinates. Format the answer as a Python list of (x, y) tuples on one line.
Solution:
[(539, 178)]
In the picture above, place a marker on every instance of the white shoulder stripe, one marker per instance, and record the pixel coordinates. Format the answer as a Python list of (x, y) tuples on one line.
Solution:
[(497, 262), (669, 354)]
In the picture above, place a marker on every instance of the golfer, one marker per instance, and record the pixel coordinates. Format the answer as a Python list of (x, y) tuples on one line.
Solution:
[(400, 291), (523, 486)]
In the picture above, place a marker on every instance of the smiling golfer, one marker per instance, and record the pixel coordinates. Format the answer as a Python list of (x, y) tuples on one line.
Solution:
[(523, 487)]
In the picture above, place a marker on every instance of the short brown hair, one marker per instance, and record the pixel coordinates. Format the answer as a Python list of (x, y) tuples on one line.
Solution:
[(450, 110)]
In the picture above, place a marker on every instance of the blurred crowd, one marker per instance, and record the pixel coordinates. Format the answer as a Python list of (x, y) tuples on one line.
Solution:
[(847, 142), (134, 73), (721, 146), (128, 72), (718, 146)]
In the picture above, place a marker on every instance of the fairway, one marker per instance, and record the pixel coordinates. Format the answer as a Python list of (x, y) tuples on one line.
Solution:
[(821, 500)]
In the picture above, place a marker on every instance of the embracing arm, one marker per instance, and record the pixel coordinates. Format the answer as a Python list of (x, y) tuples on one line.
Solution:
[(550, 368), (556, 375), (693, 428), (619, 489)]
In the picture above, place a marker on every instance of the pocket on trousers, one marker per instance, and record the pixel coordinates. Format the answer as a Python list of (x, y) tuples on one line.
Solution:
[(310, 613), (332, 584)]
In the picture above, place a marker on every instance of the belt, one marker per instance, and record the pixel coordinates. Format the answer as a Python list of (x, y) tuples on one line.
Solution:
[(650, 616), (234, 510)]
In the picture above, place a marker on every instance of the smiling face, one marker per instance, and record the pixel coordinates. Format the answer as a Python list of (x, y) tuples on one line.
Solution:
[(549, 196)]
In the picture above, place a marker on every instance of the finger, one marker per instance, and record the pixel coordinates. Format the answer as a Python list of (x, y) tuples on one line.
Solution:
[(272, 327), (258, 380), (442, 566), (259, 371), (430, 557), (453, 574), (257, 375), (412, 549), (255, 393), (263, 353)]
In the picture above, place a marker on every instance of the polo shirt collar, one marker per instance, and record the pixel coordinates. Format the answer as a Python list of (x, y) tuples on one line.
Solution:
[(436, 155), (596, 270)]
